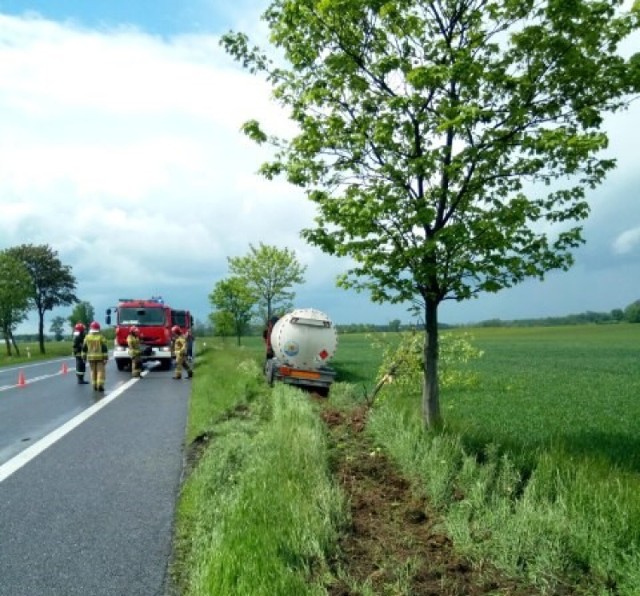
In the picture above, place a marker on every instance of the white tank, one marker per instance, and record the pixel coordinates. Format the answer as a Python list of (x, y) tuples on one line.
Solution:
[(304, 338)]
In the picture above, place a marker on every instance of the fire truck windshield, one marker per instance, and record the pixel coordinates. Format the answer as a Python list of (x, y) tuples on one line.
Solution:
[(141, 316)]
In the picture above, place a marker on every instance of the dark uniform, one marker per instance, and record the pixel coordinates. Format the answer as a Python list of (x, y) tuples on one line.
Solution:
[(266, 335), (78, 341)]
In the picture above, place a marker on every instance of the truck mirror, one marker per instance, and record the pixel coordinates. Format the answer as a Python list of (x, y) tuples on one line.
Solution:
[(108, 318)]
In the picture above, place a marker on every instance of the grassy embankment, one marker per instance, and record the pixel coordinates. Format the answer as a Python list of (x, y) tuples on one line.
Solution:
[(259, 511), (537, 470), (30, 352)]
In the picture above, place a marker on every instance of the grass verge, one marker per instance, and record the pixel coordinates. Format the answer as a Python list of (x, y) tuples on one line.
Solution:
[(258, 512), (555, 525), (505, 486), (30, 352)]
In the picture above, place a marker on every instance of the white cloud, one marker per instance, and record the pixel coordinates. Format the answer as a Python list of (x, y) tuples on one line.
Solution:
[(627, 241), (123, 152)]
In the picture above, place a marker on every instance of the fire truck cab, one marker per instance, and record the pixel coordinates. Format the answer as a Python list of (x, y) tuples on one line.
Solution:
[(154, 321)]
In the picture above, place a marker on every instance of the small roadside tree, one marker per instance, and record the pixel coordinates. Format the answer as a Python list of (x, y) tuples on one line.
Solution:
[(233, 296), (57, 328), (82, 312), (269, 272), (223, 324), (448, 144), (52, 283)]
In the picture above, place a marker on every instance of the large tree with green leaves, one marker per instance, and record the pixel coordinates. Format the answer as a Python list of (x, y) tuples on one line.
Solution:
[(52, 283), (270, 272), (234, 297), (15, 294), (448, 144)]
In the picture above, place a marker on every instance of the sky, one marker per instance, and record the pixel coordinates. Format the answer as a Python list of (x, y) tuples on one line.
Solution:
[(120, 148)]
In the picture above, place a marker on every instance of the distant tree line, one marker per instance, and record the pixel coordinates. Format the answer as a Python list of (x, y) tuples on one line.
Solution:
[(630, 314), (394, 325)]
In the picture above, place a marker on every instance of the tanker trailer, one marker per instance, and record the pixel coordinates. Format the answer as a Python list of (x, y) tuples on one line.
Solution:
[(303, 342)]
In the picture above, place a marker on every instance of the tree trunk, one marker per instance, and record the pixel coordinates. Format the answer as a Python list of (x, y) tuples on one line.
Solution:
[(431, 387), (7, 341), (15, 345), (41, 331)]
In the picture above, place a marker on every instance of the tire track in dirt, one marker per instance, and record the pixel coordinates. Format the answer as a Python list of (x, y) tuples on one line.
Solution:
[(394, 544)]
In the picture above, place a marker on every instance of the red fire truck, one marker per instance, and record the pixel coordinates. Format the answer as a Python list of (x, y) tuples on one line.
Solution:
[(154, 320)]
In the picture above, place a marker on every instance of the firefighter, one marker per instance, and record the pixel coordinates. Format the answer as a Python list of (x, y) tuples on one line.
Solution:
[(95, 351), (79, 333), (135, 353), (180, 347)]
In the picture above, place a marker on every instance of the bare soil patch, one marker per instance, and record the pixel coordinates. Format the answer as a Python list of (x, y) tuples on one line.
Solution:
[(394, 544)]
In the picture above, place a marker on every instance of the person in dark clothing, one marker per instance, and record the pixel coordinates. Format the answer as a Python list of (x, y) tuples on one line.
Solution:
[(79, 333), (266, 335), (189, 337)]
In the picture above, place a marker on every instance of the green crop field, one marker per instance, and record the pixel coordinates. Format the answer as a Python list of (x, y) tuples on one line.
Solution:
[(572, 388), (538, 466)]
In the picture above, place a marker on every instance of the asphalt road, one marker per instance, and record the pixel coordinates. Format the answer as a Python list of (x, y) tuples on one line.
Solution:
[(92, 513)]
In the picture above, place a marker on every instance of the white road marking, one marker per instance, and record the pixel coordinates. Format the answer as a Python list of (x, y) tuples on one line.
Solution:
[(36, 379), (24, 457), (70, 369), (38, 363)]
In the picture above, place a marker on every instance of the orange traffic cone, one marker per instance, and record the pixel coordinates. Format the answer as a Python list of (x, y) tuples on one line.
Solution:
[(64, 370), (21, 381)]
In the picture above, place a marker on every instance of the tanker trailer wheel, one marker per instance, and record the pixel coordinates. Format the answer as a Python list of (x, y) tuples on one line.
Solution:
[(322, 391), (269, 372)]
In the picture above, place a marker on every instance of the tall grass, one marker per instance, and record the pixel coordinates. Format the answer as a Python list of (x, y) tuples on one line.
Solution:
[(227, 377), (572, 388), (259, 513), (30, 352), (537, 470)]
